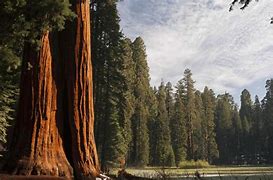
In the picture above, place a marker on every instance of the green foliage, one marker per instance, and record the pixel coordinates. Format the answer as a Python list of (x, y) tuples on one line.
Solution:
[(236, 135), (160, 127), (169, 99), (5, 111), (140, 145), (246, 108), (178, 126), (194, 164), (246, 115), (23, 21), (114, 78), (208, 126), (163, 155), (120, 105), (8, 89), (224, 113), (30, 19), (267, 116), (153, 111), (257, 126), (198, 126), (126, 97), (190, 111), (116, 148)]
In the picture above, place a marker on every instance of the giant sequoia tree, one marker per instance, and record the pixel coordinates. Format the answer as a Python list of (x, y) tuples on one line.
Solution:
[(54, 125)]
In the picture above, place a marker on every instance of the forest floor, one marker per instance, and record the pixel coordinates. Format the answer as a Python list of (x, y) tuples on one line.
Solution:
[(213, 172)]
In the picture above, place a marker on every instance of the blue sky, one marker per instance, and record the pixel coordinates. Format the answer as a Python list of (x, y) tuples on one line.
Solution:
[(226, 51)]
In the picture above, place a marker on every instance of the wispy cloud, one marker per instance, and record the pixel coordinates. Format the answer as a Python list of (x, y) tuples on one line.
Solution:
[(226, 51)]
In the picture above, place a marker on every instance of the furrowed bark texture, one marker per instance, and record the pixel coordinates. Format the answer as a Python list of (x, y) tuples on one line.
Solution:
[(37, 147), (54, 129), (80, 91)]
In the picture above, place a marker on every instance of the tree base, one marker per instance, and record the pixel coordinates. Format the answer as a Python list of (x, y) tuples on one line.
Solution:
[(27, 168)]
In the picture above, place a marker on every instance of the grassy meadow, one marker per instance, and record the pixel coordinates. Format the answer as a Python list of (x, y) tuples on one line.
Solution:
[(212, 172)]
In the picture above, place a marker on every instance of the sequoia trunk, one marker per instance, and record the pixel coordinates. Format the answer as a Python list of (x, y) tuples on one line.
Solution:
[(76, 51), (54, 129), (37, 146)]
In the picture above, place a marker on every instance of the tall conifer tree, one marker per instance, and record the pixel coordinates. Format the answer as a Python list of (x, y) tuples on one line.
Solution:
[(163, 155), (153, 111), (209, 135), (198, 127), (223, 119), (114, 73), (236, 136), (178, 125), (190, 111), (169, 99), (140, 142), (257, 126), (246, 116), (267, 105)]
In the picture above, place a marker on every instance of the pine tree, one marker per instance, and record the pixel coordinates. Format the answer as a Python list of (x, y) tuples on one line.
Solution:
[(177, 126), (163, 155), (236, 136), (120, 104), (153, 112), (246, 118), (114, 78), (257, 126), (267, 113), (126, 96), (208, 129), (140, 141), (198, 127), (190, 111), (223, 115), (122, 99), (169, 99)]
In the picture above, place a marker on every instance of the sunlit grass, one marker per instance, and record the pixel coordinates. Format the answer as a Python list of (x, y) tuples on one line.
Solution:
[(193, 164), (233, 171)]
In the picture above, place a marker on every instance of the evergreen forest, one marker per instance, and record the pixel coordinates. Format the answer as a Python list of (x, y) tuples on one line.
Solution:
[(135, 123)]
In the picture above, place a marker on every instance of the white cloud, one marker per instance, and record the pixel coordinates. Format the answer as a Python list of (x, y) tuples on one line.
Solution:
[(225, 50)]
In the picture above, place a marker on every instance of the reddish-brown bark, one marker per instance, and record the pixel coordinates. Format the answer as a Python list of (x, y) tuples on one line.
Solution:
[(54, 128), (37, 146), (77, 50)]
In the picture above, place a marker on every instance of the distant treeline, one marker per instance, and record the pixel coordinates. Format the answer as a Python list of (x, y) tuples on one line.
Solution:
[(163, 126)]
